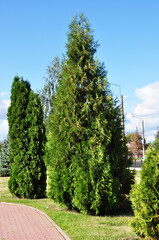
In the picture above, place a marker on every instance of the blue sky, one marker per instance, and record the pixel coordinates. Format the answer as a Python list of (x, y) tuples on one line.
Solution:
[(33, 32)]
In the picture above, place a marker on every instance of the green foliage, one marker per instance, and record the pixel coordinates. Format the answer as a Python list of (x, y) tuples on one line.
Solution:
[(4, 158), (145, 196), (85, 152), (27, 139)]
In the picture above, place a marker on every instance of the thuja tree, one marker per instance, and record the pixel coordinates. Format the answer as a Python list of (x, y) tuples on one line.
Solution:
[(4, 158), (27, 139), (85, 150), (36, 145), (145, 196)]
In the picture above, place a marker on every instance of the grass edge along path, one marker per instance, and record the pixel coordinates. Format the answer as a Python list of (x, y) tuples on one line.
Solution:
[(77, 226)]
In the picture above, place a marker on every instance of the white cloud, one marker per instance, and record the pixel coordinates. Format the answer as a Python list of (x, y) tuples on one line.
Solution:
[(147, 109), (150, 135), (2, 94), (150, 99), (3, 129), (4, 104)]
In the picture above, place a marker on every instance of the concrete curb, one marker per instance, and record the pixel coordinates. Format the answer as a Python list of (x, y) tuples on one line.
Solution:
[(66, 237), (135, 168), (53, 223)]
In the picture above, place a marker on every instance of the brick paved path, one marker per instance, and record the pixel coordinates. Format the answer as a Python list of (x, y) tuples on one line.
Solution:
[(19, 222)]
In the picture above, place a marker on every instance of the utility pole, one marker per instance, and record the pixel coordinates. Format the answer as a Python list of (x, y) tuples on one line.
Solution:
[(143, 138), (121, 110)]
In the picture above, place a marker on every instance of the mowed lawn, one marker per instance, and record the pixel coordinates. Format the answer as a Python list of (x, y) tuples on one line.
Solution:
[(77, 226)]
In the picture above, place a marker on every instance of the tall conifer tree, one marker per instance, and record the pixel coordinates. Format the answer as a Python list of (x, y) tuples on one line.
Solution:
[(36, 140), (85, 149), (26, 132)]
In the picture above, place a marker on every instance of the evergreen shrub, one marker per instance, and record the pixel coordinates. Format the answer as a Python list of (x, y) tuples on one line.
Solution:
[(27, 142), (86, 152), (145, 196)]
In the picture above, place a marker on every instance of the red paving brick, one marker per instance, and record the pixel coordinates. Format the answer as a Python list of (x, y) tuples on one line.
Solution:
[(19, 222)]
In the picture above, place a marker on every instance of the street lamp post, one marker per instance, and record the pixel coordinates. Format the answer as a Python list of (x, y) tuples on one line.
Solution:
[(122, 115), (122, 109)]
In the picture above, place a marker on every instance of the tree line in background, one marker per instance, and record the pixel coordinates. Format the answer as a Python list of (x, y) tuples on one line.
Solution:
[(4, 158)]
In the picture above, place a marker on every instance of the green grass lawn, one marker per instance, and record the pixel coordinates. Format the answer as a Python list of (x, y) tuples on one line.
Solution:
[(77, 226)]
